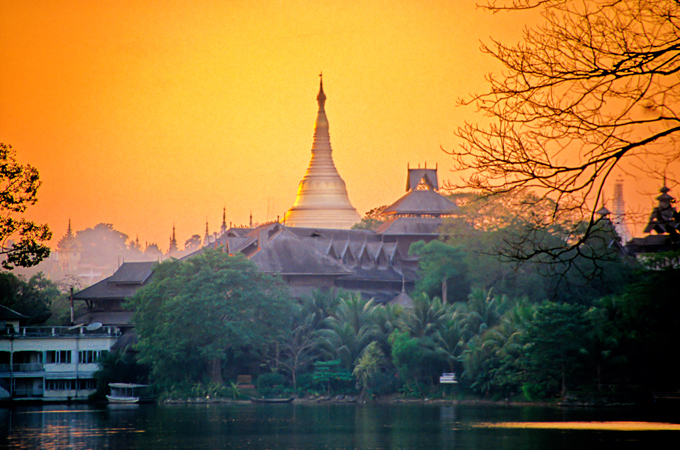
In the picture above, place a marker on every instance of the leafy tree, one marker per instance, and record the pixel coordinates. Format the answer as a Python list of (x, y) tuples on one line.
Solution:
[(349, 330), (103, 245), (443, 269), (20, 239), (33, 298), (407, 356), (193, 243), (297, 346), (647, 316), (372, 220), (331, 373), (489, 228), (196, 313), (492, 360), (594, 85), (118, 367), (369, 364), (554, 339)]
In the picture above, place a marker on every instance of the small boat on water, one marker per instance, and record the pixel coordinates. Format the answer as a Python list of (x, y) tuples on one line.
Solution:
[(271, 400), (125, 393)]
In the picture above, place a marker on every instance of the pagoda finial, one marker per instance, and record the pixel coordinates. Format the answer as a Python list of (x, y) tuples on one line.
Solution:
[(321, 98), (224, 228), (69, 231), (173, 242)]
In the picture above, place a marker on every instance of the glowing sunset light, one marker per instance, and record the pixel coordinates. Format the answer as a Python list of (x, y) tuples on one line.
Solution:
[(146, 114), (600, 426)]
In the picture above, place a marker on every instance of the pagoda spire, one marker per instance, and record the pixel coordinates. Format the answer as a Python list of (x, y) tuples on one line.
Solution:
[(322, 200), (173, 242), (223, 229)]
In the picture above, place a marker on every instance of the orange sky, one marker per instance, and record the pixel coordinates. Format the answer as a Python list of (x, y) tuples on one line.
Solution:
[(146, 114)]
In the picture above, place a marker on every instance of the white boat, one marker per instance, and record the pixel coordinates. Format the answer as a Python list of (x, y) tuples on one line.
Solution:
[(125, 392)]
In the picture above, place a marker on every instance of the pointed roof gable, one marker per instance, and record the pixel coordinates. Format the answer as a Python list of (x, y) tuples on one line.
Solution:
[(422, 177), (421, 198), (286, 254)]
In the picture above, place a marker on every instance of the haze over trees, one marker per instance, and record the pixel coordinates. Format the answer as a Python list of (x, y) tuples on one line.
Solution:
[(596, 84)]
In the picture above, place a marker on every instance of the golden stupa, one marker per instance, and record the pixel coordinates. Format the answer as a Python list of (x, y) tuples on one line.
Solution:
[(322, 200)]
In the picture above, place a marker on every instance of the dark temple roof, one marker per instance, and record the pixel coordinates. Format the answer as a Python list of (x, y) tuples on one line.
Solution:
[(10, 314), (417, 226), (122, 284), (286, 254), (422, 203)]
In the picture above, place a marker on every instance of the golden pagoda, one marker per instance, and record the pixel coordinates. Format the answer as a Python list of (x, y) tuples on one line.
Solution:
[(322, 200)]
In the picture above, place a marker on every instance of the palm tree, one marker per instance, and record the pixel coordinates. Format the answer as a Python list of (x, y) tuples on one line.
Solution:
[(349, 330)]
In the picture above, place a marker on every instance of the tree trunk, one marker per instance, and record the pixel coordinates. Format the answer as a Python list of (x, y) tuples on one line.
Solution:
[(215, 370), (444, 289)]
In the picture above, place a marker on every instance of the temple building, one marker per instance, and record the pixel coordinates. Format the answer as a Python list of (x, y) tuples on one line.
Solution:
[(664, 223), (314, 247), (322, 200), (69, 251)]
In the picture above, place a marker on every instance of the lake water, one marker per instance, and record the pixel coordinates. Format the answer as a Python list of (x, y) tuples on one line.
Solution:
[(334, 426)]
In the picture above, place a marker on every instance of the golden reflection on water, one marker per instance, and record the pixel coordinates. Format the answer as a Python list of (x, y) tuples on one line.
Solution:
[(613, 426)]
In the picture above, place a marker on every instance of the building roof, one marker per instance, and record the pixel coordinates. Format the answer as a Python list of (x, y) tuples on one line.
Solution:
[(9, 314), (286, 254), (122, 284), (426, 176), (132, 273), (422, 203), (419, 226), (402, 299), (113, 318)]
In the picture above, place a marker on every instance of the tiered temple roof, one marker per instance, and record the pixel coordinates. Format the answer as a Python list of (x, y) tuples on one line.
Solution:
[(664, 221)]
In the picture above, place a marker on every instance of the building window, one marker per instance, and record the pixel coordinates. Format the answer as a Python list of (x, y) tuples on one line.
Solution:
[(87, 384), (58, 357), (70, 385), (89, 356), (60, 385)]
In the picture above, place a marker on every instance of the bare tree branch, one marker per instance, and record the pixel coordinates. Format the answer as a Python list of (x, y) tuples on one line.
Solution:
[(597, 83)]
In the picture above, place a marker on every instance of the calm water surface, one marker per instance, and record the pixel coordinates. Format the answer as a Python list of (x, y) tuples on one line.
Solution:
[(402, 426)]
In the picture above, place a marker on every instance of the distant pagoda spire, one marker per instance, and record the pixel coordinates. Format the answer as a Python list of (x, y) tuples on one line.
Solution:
[(206, 238), (223, 229), (173, 243), (322, 200), (69, 231)]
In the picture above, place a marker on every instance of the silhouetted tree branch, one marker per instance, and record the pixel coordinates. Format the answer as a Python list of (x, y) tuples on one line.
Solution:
[(596, 83), (20, 239)]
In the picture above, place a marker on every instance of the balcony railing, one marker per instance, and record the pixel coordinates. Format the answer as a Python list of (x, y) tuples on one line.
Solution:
[(25, 367), (37, 332), (28, 392)]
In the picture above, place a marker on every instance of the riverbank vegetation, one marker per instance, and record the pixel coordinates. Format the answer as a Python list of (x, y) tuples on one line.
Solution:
[(602, 324)]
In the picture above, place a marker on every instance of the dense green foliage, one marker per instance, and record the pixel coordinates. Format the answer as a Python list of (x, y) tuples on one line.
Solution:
[(35, 298), (198, 314), (118, 367), (599, 323)]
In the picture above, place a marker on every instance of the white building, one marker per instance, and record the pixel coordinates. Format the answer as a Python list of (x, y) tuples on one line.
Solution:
[(51, 363)]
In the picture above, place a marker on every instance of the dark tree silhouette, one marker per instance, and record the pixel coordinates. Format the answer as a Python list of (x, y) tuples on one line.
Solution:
[(597, 83), (20, 239)]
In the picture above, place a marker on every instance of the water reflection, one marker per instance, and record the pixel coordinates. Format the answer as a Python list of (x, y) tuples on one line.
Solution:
[(328, 426)]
